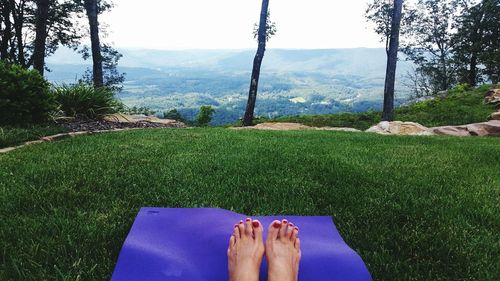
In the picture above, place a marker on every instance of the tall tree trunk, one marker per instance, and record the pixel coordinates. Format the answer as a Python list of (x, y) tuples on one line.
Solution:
[(392, 60), (92, 14), (42, 15), (257, 62), (18, 15), (473, 71), (7, 32)]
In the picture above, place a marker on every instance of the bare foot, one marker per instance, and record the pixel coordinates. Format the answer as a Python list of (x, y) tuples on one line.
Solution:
[(245, 252), (283, 251)]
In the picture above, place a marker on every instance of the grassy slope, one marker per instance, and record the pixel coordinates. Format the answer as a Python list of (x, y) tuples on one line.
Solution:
[(415, 208), (458, 108), (10, 136)]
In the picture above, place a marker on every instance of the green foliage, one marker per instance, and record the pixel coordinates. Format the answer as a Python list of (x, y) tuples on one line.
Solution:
[(271, 29), (360, 121), (205, 116), (414, 208), (459, 107), (25, 96), (174, 114), (113, 79), (86, 101), (11, 136), (461, 88)]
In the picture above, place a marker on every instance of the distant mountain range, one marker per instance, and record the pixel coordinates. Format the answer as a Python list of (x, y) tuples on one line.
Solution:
[(292, 81)]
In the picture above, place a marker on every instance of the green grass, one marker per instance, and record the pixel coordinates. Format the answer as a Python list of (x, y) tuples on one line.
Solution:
[(415, 208), (11, 136), (458, 108)]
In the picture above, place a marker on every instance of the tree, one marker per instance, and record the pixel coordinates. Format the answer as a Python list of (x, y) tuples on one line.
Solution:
[(389, 21), (112, 78), (467, 44), (490, 55), (42, 15), (35, 29), (392, 60), (91, 8), (263, 35), (205, 116), (429, 44)]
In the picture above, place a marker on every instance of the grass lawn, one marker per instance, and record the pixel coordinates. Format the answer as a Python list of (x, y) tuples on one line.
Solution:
[(11, 136), (415, 208)]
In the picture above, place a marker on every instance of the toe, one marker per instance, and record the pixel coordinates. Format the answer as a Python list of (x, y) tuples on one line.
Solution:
[(297, 244), (236, 233), (248, 227), (274, 230), (284, 226), (232, 242), (289, 230), (295, 233), (257, 230), (241, 229)]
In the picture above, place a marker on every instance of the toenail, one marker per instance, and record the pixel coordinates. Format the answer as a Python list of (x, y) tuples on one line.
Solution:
[(297, 228), (277, 224), (248, 219), (291, 224), (255, 224), (241, 222), (285, 221)]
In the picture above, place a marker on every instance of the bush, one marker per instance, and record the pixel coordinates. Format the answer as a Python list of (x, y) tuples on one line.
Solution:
[(25, 96), (205, 116), (174, 114), (81, 100)]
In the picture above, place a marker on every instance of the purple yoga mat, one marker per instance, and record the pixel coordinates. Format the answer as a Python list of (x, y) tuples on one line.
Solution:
[(191, 245)]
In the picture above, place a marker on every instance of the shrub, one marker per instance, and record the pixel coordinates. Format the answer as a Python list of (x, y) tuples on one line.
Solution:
[(205, 116), (81, 100), (174, 114), (25, 96)]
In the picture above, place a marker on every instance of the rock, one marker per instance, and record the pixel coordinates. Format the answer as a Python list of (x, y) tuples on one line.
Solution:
[(399, 128), (293, 127), (457, 131), (492, 97), (131, 119), (495, 116), (281, 126), (490, 128), (339, 129)]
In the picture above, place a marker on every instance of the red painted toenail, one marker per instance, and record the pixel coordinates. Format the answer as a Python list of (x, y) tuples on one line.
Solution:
[(291, 224), (241, 222), (248, 219), (277, 224), (255, 224), (285, 221), (297, 228)]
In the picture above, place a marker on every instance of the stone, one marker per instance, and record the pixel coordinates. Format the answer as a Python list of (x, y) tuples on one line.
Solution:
[(399, 128), (132, 119), (456, 131), (492, 97), (283, 126), (495, 116), (339, 129), (490, 128), (280, 126)]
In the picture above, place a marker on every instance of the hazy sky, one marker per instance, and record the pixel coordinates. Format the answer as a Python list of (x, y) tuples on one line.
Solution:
[(227, 24)]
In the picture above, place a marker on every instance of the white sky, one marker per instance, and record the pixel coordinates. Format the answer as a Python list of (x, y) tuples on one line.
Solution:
[(228, 24)]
